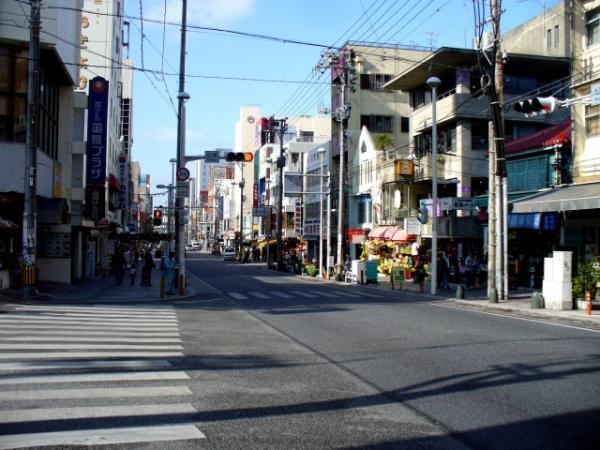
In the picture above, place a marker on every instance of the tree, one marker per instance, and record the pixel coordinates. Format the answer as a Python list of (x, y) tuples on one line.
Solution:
[(383, 141)]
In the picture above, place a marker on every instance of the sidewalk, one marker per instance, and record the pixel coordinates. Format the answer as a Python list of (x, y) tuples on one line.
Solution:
[(101, 290), (476, 299)]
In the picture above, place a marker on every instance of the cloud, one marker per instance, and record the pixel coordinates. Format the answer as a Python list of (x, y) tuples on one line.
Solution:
[(166, 134), (206, 13)]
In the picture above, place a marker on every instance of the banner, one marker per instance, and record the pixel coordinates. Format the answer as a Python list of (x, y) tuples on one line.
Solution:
[(96, 132)]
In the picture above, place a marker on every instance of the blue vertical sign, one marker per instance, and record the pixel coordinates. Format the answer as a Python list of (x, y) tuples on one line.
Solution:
[(96, 132)]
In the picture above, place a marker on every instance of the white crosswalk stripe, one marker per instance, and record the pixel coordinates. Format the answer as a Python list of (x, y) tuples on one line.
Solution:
[(281, 294), (238, 296), (303, 294), (328, 294), (94, 359)]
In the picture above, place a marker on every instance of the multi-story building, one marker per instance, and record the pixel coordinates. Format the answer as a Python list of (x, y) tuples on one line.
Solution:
[(59, 177), (101, 65)]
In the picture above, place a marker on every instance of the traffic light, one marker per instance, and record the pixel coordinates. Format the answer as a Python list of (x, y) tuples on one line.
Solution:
[(157, 218), (183, 216), (537, 105), (239, 157), (423, 215)]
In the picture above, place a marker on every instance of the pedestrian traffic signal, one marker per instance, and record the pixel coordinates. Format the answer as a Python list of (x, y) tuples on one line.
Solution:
[(183, 216), (537, 105), (157, 218), (423, 215), (239, 157)]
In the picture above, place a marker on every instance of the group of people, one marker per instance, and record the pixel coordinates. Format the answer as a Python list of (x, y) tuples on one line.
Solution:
[(126, 260)]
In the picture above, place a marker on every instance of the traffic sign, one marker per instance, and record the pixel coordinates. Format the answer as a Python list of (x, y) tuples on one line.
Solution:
[(212, 156), (183, 189), (183, 174)]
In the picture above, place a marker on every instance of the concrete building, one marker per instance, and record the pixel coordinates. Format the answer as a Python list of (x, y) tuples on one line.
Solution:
[(59, 161)]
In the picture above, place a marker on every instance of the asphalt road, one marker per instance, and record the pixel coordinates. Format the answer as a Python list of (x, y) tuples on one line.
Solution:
[(485, 380), (259, 359)]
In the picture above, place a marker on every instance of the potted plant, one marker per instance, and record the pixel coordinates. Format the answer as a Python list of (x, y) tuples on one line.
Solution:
[(586, 279)]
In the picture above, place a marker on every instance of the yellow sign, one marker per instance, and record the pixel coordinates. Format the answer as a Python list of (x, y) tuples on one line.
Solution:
[(405, 167)]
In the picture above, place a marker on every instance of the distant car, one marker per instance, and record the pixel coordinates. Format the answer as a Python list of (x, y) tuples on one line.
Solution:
[(196, 245), (229, 254), (188, 247)]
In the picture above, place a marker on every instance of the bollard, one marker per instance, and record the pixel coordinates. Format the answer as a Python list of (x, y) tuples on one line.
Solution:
[(162, 286), (588, 298), (536, 301), (181, 284), (493, 298), (460, 292)]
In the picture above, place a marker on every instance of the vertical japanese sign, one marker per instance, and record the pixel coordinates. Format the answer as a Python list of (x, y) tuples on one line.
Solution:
[(298, 218), (255, 196), (123, 180), (96, 131)]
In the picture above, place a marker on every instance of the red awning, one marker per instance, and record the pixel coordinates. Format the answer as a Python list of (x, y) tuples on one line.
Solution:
[(378, 232), (389, 233), (548, 137), (400, 236)]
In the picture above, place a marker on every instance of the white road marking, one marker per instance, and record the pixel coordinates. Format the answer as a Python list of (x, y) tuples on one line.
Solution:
[(99, 346), (280, 294), (259, 295), (95, 377), (97, 364), (90, 327), (349, 294), (148, 340), (238, 296), (75, 334), (115, 309), (85, 412), (59, 319), (57, 394), (369, 294), (304, 294), (102, 436), (327, 294), (107, 315), (71, 355)]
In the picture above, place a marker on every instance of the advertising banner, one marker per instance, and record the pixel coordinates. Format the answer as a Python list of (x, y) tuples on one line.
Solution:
[(96, 132)]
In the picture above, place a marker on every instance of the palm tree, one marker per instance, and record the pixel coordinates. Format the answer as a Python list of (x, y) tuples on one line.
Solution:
[(383, 141)]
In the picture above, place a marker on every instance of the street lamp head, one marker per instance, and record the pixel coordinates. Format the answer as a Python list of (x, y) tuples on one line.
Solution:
[(161, 186), (183, 96), (433, 82), (172, 160)]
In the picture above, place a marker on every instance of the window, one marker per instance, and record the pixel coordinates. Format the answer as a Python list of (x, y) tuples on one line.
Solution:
[(549, 38), (592, 120), (556, 36), (592, 27), (404, 124), (374, 81), (377, 124)]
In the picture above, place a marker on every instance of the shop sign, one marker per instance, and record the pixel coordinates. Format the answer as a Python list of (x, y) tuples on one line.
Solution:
[(298, 218), (456, 204), (312, 227), (123, 180), (405, 167), (57, 183), (96, 131), (356, 235), (255, 195), (96, 202), (412, 226)]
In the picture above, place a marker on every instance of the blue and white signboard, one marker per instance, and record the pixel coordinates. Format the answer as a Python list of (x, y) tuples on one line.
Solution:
[(96, 131)]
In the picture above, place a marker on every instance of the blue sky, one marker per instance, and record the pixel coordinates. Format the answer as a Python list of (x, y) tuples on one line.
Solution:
[(214, 105)]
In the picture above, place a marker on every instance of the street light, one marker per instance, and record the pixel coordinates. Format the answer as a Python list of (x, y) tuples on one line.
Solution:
[(433, 83), (321, 152), (170, 217)]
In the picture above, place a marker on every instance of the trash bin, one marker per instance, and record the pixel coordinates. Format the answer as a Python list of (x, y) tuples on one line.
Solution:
[(536, 301)]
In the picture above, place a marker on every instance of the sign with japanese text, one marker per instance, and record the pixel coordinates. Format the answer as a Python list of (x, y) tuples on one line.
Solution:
[(405, 167), (298, 218), (95, 202), (255, 196), (96, 132)]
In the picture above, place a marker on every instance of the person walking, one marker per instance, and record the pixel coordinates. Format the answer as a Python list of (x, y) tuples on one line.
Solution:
[(118, 263), (443, 270), (169, 269), (147, 270), (420, 274), (470, 263)]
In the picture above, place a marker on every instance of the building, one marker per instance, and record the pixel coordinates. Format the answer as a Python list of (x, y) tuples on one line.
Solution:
[(60, 255)]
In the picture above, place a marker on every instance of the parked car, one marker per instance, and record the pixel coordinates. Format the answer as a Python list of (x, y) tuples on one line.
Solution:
[(229, 254), (196, 245), (188, 247)]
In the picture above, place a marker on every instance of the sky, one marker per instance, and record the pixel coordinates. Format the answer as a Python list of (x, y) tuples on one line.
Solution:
[(229, 71)]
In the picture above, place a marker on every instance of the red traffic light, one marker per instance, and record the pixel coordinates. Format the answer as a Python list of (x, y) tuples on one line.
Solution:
[(239, 157), (157, 217)]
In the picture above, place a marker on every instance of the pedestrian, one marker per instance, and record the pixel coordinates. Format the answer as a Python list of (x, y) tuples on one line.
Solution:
[(470, 271), (147, 270), (131, 266), (443, 270), (420, 275), (118, 263), (169, 269)]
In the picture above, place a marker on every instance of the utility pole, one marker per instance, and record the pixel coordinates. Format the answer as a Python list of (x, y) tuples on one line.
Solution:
[(342, 62), (242, 184), (491, 64), (182, 96), (30, 187), (280, 166)]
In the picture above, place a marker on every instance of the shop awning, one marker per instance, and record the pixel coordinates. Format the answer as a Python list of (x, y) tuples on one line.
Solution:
[(548, 137), (564, 198), (401, 236), (387, 235), (378, 232)]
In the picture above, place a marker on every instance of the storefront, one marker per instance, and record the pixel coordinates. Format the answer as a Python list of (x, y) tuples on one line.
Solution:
[(390, 247)]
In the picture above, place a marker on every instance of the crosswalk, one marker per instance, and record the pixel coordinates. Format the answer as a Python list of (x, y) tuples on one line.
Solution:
[(74, 375), (312, 294)]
